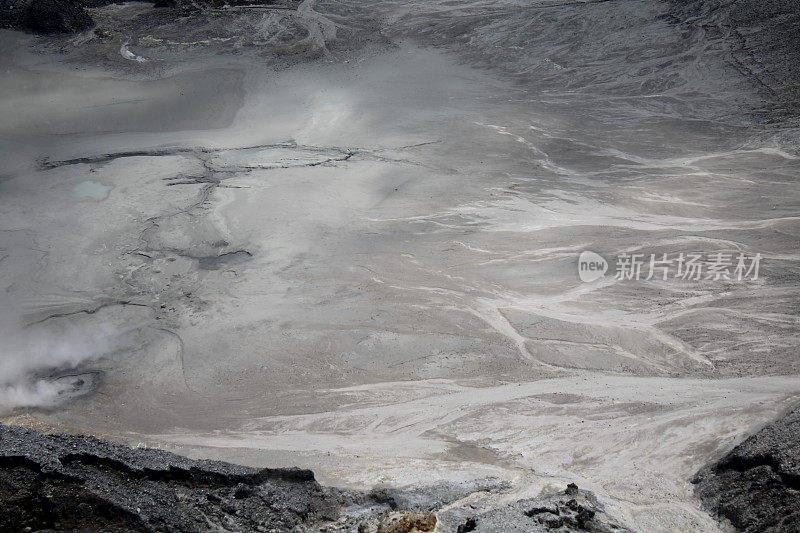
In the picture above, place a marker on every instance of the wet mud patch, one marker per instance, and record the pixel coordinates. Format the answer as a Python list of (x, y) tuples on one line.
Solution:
[(226, 260), (74, 384)]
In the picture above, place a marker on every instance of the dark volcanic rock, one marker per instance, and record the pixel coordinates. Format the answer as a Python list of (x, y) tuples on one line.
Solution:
[(77, 483), (44, 16), (762, 38), (56, 16), (757, 485), (11, 13), (81, 483)]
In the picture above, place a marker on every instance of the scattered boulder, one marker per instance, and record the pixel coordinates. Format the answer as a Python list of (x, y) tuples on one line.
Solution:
[(469, 525), (571, 510), (408, 522), (535, 511)]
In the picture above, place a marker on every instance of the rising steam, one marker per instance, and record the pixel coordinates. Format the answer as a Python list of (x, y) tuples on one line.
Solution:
[(32, 358)]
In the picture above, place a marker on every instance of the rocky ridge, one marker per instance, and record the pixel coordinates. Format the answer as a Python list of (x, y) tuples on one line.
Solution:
[(756, 486), (79, 483)]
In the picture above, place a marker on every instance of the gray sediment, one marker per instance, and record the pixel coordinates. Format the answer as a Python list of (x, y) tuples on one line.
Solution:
[(365, 265)]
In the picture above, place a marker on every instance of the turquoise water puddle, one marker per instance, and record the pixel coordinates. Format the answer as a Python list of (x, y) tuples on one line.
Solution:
[(92, 189)]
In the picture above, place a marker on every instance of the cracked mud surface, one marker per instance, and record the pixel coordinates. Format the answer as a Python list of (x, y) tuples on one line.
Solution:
[(348, 241)]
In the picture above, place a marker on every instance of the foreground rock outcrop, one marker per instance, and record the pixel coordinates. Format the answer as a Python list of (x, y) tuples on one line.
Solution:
[(757, 485), (76, 483), (81, 483)]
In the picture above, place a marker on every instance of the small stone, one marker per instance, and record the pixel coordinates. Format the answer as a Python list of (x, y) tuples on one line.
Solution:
[(573, 504), (467, 526), (584, 516), (540, 510), (242, 491), (551, 522)]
